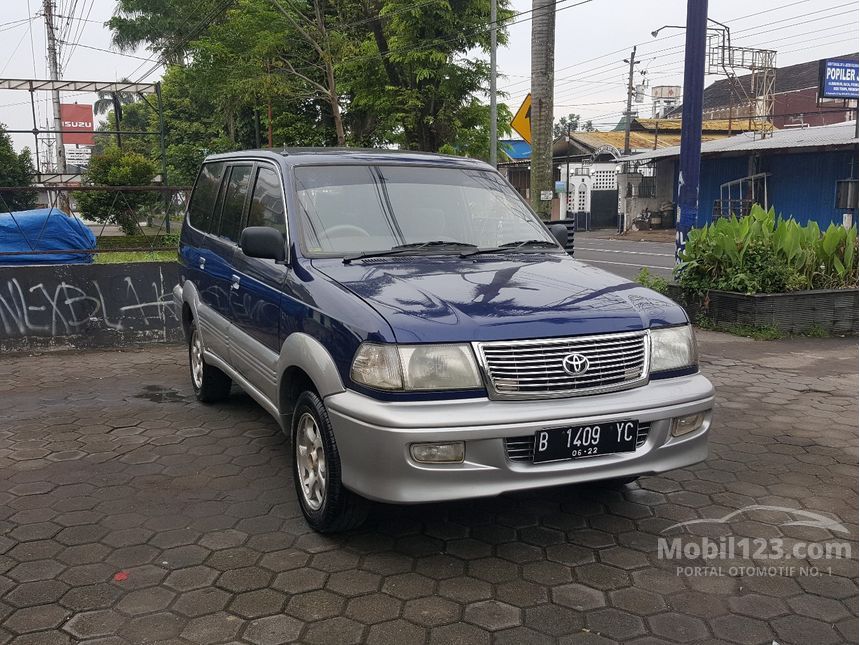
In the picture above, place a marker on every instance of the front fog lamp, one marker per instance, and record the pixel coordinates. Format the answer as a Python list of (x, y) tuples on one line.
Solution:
[(452, 452), (416, 367), (687, 424), (673, 348)]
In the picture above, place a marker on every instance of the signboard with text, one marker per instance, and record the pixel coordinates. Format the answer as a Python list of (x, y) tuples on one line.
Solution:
[(76, 121), (838, 79)]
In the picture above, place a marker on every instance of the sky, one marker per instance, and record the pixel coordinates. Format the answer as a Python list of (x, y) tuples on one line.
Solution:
[(592, 39)]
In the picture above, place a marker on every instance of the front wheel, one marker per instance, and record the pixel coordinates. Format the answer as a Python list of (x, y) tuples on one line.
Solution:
[(210, 384), (326, 504)]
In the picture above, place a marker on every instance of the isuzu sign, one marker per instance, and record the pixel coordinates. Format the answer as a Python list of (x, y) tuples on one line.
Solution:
[(838, 79), (76, 121)]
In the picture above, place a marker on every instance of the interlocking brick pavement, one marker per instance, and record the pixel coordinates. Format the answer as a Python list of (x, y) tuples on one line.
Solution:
[(130, 513)]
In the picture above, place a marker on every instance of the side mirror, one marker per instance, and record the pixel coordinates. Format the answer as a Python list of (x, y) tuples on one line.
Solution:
[(263, 242), (559, 232)]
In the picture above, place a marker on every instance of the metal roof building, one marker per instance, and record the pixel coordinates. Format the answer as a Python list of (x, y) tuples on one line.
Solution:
[(797, 170)]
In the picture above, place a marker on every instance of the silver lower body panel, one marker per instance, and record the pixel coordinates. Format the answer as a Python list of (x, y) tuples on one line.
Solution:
[(374, 437)]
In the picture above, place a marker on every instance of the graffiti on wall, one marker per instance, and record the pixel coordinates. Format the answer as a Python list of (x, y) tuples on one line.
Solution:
[(56, 302)]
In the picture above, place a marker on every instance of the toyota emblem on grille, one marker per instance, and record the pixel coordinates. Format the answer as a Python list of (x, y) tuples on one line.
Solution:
[(575, 364)]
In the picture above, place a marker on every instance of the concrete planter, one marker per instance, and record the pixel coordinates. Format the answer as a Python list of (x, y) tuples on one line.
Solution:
[(833, 310), (87, 305)]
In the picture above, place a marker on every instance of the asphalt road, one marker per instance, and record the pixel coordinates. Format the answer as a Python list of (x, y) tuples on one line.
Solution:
[(625, 258)]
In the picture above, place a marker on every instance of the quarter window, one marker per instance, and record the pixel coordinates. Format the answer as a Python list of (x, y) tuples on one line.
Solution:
[(234, 203), (203, 197), (267, 202)]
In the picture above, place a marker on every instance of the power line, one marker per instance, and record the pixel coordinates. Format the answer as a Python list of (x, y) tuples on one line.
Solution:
[(668, 51), (107, 51), (192, 33), (80, 31), (14, 51), (676, 48)]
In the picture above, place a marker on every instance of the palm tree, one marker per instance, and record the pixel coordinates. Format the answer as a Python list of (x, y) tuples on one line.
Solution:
[(543, 53), (106, 99)]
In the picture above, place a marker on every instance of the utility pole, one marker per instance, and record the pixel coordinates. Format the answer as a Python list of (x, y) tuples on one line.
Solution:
[(543, 73), (494, 115), (54, 67), (628, 114), (691, 122)]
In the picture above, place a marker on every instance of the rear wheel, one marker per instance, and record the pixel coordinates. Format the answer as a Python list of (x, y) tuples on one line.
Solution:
[(210, 384), (326, 504)]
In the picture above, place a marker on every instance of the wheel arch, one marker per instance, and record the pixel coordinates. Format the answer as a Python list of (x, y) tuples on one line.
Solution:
[(304, 364)]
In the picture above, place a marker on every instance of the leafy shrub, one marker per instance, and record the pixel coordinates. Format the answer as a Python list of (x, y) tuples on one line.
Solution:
[(115, 167), (655, 282), (763, 253)]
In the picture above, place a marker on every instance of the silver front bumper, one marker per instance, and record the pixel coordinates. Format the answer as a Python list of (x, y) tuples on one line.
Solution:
[(373, 439)]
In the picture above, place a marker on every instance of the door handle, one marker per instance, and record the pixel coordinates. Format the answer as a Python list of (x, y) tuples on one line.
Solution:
[(235, 284)]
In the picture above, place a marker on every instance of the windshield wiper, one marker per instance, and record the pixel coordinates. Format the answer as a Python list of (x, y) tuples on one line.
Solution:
[(511, 246), (401, 249)]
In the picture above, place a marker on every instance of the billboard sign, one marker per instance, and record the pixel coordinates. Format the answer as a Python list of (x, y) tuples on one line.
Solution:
[(838, 79), (77, 123)]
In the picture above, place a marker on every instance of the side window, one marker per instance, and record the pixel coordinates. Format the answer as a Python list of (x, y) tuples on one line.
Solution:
[(234, 203), (267, 201), (203, 197)]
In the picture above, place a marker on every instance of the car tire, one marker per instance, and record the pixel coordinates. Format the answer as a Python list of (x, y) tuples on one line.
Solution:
[(326, 504), (210, 384)]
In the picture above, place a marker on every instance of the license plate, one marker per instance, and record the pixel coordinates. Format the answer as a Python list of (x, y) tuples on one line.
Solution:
[(592, 440)]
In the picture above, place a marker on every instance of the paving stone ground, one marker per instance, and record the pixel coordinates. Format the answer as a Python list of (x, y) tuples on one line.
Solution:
[(130, 513)]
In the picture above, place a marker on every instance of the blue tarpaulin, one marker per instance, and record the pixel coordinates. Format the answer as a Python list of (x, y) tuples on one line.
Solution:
[(44, 229)]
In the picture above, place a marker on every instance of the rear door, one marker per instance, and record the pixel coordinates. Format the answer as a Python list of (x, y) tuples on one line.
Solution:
[(203, 209), (222, 245), (256, 303)]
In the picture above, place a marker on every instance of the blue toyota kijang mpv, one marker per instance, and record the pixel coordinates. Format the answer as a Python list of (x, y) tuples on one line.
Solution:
[(422, 336)]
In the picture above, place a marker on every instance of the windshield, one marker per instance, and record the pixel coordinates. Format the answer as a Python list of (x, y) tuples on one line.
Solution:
[(356, 209)]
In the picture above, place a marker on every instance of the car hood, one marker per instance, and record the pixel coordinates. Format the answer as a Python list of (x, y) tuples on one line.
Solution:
[(499, 297)]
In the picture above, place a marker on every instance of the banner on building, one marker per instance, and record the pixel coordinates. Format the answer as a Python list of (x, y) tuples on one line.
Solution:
[(77, 123)]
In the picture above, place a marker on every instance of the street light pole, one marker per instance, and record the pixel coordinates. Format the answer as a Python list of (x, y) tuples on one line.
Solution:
[(494, 117), (691, 122)]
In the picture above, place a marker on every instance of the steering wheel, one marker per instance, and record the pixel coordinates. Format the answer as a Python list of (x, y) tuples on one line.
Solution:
[(346, 230)]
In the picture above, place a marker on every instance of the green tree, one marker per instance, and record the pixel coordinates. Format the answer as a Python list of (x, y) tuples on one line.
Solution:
[(166, 27), (472, 131), (412, 74), (115, 167), (561, 126), (16, 169), (360, 72)]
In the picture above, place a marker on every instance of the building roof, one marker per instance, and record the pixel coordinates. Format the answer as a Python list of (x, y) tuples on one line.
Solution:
[(838, 135), (715, 126), (516, 149), (791, 78)]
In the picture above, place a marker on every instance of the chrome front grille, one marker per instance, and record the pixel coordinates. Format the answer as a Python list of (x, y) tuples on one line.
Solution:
[(522, 448), (535, 368)]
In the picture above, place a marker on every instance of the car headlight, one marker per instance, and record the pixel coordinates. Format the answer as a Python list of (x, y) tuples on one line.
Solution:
[(415, 367), (673, 348)]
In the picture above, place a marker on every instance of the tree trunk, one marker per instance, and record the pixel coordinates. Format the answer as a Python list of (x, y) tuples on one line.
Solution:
[(543, 54), (335, 105)]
